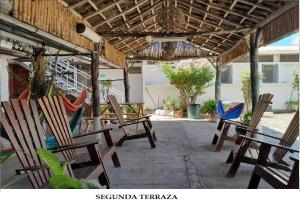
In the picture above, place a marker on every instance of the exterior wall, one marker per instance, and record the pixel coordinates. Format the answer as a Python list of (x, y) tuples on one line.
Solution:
[(160, 89), (4, 94)]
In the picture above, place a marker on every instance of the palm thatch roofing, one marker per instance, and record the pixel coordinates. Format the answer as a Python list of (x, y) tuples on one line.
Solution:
[(216, 26)]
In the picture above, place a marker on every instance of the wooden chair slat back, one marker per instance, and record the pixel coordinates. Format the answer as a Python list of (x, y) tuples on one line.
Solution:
[(289, 137), (262, 105), (117, 109), (23, 127), (56, 117)]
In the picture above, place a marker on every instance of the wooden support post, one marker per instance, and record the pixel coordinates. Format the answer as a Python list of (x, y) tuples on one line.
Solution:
[(254, 75), (217, 82), (95, 86), (126, 84), (94, 80)]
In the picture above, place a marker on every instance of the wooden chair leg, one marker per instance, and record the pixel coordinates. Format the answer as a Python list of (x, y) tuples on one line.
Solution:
[(115, 160), (230, 157), (149, 135), (103, 180), (234, 167), (215, 140), (154, 136), (220, 125), (254, 181), (220, 144), (121, 141)]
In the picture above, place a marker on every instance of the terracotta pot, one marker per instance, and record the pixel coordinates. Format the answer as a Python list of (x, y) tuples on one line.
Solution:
[(179, 114)]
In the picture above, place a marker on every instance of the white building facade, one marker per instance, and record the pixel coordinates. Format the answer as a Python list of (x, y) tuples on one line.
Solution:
[(277, 64)]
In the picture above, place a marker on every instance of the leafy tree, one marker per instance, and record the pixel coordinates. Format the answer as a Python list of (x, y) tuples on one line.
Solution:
[(191, 81), (246, 87)]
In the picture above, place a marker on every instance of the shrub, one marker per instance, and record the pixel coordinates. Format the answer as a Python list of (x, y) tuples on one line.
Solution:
[(190, 81), (246, 118), (209, 106)]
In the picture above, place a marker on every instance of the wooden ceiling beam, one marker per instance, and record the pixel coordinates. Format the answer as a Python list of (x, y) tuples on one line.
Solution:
[(175, 34), (256, 5), (211, 14), (233, 12), (138, 16), (123, 13), (101, 10), (77, 4)]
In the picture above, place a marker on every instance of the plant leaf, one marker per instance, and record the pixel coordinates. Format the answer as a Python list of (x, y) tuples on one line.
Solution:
[(64, 182), (51, 161)]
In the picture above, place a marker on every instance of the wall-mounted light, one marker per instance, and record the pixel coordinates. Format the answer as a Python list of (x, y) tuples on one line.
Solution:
[(88, 33)]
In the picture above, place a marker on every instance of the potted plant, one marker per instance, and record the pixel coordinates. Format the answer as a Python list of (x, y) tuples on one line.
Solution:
[(191, 82), (209, 107)]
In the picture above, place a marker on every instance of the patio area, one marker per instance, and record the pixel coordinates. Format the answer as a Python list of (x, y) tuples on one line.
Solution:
[(183, 158)]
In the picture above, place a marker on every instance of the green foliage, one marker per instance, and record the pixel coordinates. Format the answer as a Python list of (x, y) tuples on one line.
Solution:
[(89, 184), (209, 106), (173, 104), (59, 180), (64, 182), (246, 87), (105, 87), (191, 81), (295, 82), (246, 118), (51, 161)]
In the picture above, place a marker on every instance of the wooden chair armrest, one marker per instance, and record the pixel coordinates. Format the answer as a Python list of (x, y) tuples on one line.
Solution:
[(132, 123), (270, 143), (25, 170), (74, 146), (238, 124), (139, 118), (263, 134), (294, 157), (92, 133)]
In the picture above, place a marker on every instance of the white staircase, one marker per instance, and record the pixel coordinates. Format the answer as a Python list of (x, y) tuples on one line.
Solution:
[(73, 80)]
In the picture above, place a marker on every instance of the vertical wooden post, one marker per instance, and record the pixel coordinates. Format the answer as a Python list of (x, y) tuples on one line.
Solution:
[(254, 75), (95, 85), (217, 82), (126, 84)]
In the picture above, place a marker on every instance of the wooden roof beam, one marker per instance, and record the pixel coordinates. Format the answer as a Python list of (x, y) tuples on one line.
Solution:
[(79, 3), (142, 14), (97, 12), (256, 5), (233, 12), (212, 15), (123, 13)]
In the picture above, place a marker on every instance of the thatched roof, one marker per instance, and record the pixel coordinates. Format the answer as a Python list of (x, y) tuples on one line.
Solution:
[(218, 25)]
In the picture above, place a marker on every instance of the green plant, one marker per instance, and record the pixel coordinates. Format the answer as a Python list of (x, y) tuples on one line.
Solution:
[(105, 87), (58, 179), (191, 81), (170, 103), (209, 106), (246, 118), (246, 87)]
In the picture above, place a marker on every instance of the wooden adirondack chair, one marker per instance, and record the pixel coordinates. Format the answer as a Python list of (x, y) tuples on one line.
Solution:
[(22, 125), (129, 134), (275, 176), (222, 135), (243, 151), (56, 117)]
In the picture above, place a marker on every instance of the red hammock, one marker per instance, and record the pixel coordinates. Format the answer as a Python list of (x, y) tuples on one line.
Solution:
[(72, 107), (25, 95)]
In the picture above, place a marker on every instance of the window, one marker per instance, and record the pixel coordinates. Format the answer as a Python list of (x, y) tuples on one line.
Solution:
[(226, 75), (265, 58), (289, 57), (270, 73)]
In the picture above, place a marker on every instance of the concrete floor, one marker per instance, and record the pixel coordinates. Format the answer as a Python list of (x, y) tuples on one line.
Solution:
[(183, 158)]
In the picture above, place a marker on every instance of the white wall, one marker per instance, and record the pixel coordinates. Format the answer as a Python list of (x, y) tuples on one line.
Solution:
[(160, 88), (4, 95)]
